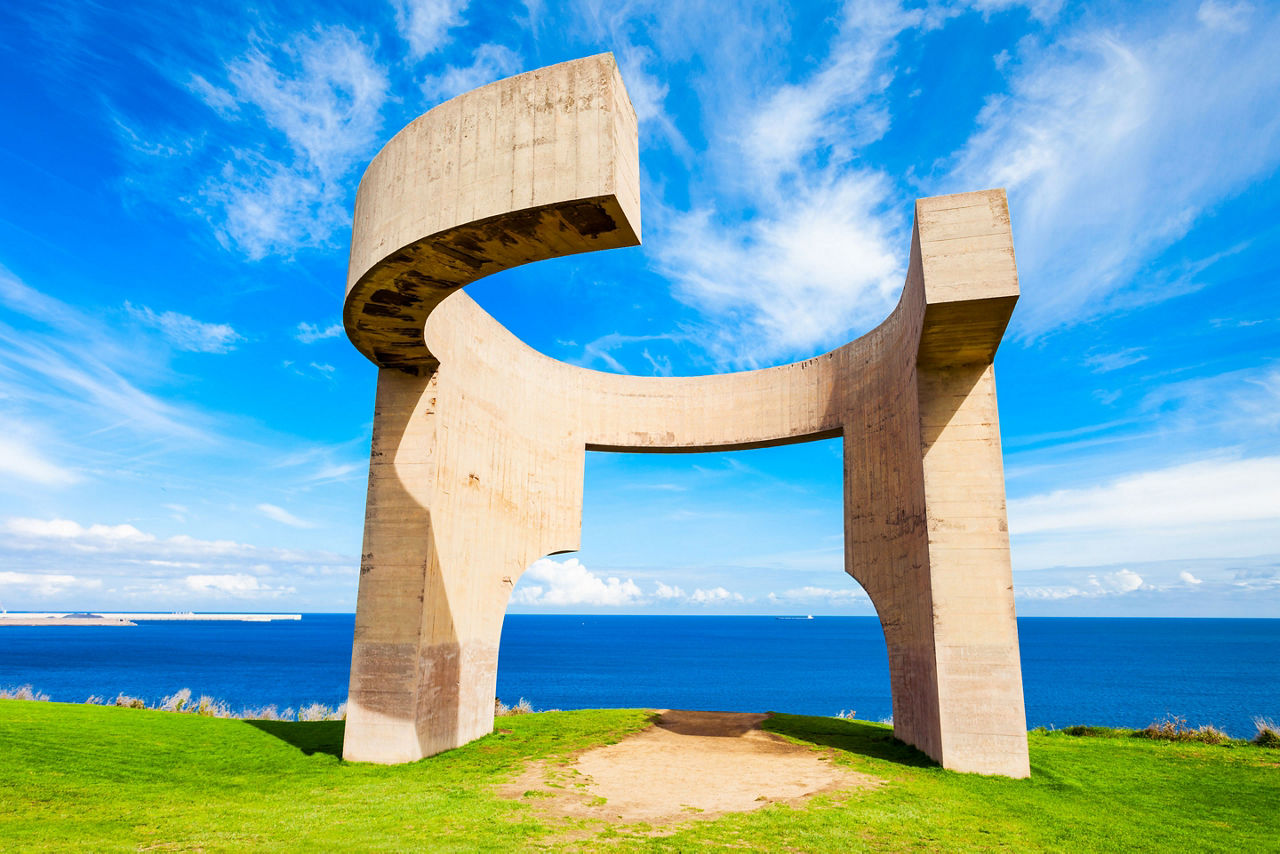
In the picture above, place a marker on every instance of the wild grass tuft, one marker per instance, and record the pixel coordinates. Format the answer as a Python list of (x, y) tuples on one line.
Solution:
[(502, 710), (23, 692), (1268, 733), (176, 702), (180, 702), (1174, 728), (321, 712)]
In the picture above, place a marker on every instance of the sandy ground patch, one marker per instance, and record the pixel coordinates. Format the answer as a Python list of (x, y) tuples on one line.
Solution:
[(688, 765)]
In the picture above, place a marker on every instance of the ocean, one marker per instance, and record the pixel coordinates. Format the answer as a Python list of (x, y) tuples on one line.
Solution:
[(1115, 672)]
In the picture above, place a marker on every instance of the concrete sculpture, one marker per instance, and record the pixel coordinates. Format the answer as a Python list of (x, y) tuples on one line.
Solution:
[(479, 442)]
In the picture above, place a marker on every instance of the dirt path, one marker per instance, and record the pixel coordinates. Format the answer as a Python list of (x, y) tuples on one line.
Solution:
[(688, 765)]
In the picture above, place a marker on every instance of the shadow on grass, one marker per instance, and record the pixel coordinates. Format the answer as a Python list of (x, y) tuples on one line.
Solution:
[(310, 737), (860, 737)]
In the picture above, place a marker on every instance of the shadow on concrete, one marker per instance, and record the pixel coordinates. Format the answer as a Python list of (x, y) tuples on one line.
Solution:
[(311, 737), (860, 737)]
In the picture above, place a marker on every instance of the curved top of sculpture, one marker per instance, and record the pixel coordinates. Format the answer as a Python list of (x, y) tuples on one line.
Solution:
[(536, 166), (546, 164)]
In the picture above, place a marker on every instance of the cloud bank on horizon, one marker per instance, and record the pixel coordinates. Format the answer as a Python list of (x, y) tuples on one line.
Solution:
[(183, 425)]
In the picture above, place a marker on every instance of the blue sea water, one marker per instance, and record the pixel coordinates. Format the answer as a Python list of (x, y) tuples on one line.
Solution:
[(1118, 672)]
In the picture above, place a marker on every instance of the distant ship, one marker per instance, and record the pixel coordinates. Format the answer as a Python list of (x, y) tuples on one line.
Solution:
[(805, 617)]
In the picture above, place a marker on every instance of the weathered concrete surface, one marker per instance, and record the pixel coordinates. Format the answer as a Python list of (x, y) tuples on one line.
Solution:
[(479, 441)]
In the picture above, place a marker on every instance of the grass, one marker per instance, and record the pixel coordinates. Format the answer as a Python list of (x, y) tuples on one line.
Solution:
[(112, 779)]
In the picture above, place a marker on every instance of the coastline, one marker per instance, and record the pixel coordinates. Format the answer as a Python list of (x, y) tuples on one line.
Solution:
[(69, 618)]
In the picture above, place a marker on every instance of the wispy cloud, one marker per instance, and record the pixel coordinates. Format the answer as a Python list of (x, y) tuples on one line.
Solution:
[(1180, 587), (75, 367), (1207, 491), (187, 333), (317, 98), (284, 517), (19, 459), (425, 24), (309, 333), (1219, 506), (121, 565), (44, 584), (1102, 141), (819, 258), (489, 62), (1103, 363)]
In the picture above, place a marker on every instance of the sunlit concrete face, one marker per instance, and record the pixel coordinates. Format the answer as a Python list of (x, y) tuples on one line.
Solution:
[(479, 442)]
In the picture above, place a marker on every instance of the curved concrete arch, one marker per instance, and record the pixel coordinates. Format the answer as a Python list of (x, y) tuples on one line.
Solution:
[(479, 441)]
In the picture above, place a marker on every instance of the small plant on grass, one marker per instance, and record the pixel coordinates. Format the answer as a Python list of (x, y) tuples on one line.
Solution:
[(1268, 733), (127, 702), (847, 715)]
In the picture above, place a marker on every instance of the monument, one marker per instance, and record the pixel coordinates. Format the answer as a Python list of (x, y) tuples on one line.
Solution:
[(479, 442)]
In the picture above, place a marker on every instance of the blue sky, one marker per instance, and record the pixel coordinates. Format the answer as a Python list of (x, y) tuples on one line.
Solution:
[(183, 424)]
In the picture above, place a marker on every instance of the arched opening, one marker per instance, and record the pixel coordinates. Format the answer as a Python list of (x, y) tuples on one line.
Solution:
[(711, 581)]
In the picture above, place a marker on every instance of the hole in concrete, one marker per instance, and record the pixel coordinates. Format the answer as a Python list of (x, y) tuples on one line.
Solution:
[(683, 596)]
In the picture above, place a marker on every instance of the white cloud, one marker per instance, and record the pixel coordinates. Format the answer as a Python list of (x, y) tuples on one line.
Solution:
[(716, 595), (1123, 581), (309, 333), (49, 537), (94, 536), (238, 585), (1103, 141), (45, 583), (124, 567), (1221, 507), (810, 594), (1233, 17), (812, 257), (1208, 587), (1197, 493), (665, 591), (425, 24), (560, 584), (489, 63), (809, 273), (187, 333), (284, 517), (1096, 585)]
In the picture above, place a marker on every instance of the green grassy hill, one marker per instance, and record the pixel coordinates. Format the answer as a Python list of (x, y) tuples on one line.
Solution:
[(102, 779)]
